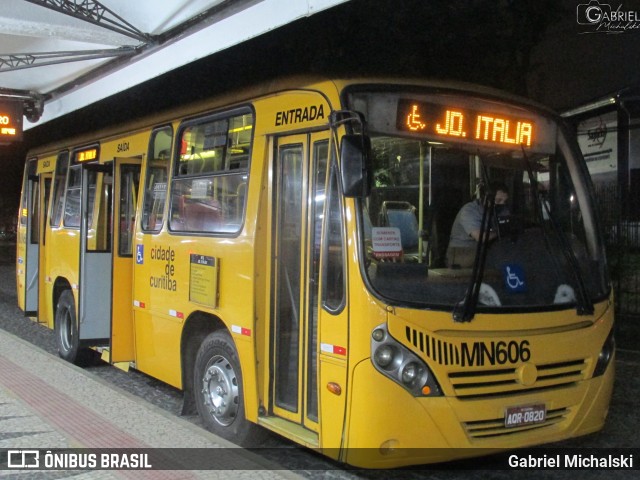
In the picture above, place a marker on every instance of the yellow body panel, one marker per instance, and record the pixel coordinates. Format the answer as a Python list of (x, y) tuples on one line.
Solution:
[(32, 192), (21, 245), (432, 430), (62, 263), (122, 328), (125, 146), (20, 271)]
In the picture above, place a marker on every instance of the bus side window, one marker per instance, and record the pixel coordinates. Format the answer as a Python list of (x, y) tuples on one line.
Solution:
[(333, 294), (201, 210), (57, 204), (72, 202), (209, 188), (156, 178), (241, 194)]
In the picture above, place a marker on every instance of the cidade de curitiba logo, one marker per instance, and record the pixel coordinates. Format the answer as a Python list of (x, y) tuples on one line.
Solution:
[(599, 17)]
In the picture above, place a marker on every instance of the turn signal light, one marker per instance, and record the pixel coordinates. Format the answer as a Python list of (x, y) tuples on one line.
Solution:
[(334, 388)]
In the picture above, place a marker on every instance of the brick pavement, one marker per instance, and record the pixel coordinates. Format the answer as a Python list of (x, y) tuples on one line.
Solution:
[(46, 403)]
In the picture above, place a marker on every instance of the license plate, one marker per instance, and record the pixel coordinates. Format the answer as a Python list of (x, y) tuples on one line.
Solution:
[(524, 415)]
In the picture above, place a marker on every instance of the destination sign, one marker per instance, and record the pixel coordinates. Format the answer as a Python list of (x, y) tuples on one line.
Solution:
[(448, 121), (10, 121), (86, 155)]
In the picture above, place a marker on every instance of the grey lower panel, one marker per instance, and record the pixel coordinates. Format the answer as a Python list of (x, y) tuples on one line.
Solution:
[(95, 296), (31, 277)]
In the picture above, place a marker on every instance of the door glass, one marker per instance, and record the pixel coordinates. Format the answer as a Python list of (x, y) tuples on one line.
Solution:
[(100, 210), (317, 201), (72, 201), (62, 166), (287, 266), (333, 294), (45, 207), (155, 190), (130, 179), (35, 214)]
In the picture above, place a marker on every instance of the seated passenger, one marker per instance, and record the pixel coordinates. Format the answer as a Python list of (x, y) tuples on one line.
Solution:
[(465, 231)]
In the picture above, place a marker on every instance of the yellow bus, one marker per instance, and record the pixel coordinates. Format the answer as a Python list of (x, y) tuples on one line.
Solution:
[(282, 255)]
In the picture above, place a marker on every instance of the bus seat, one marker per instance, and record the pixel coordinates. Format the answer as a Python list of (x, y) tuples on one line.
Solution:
[(202, 217), (196, 164), (153, 223), (432, 238), (402, 215), (241, 193)]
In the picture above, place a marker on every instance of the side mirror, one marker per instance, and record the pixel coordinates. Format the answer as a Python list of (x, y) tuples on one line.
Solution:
[(355, 166)]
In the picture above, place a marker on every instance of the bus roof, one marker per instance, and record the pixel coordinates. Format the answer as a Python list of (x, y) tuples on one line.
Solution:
[(230, 98)]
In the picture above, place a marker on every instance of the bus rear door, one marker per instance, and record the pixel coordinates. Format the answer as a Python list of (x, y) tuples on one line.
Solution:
[(108, 216), (39, 232), (36, 186), (125, 202), (94, 307)]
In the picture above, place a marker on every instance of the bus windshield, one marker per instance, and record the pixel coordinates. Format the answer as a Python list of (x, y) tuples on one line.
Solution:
[(450, 168)]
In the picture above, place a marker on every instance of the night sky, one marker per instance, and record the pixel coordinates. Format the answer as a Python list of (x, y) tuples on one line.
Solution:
[(530, 47)]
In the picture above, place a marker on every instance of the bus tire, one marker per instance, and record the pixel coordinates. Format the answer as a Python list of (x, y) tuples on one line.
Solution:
[(66, 328), (218, 390)]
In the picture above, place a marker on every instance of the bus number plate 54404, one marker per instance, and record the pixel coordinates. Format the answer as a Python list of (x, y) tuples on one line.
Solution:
[(524, 415)]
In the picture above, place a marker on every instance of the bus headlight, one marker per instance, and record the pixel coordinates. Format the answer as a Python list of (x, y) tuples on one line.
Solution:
[(401, 365), (384, 355), (605, 355), (411, 372), (378, 334)]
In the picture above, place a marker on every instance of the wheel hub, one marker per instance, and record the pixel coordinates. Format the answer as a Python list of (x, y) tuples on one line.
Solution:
[(220, 390)]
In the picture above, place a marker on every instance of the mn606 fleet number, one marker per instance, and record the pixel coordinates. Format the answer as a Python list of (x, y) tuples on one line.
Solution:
[(478, 354)]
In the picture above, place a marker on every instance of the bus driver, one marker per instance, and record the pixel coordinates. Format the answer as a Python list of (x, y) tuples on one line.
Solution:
[(465, 231)]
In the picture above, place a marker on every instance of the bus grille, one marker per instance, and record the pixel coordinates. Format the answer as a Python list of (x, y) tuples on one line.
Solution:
[(484, 429), (505, 381)]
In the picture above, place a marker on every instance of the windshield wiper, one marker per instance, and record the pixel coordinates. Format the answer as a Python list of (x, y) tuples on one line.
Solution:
[(584, 306), (465, 310)]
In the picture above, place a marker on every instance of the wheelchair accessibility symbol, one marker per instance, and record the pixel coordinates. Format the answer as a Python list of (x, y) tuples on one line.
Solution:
[(139, 254), (514, 279)]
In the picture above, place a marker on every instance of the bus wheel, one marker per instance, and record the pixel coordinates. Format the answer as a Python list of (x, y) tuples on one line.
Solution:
[(66, 328), (218, 390)]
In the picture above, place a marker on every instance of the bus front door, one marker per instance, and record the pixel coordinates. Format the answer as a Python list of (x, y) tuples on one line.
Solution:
[(300, 178)]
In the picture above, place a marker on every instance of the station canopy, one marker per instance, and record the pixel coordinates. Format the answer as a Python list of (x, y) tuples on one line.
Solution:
[(57, 56)]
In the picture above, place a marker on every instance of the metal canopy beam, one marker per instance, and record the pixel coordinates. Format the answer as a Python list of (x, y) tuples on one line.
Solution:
[(187, 31), (32, 102), (94, 12), (19, 61)]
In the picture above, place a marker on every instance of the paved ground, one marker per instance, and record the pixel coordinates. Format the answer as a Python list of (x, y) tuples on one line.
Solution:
[(47, 403)]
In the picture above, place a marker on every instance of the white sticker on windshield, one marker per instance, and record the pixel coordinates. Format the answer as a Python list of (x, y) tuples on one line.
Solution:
[(386, 242)]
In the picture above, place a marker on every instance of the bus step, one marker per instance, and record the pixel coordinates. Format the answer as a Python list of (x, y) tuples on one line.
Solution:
[(291, 430)]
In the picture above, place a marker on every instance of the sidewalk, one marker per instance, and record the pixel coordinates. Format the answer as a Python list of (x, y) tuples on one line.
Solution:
[(48, 404)]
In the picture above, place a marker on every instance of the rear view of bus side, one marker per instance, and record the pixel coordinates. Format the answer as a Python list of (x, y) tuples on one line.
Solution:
[(282, 255)]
